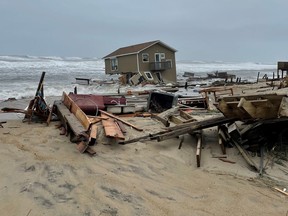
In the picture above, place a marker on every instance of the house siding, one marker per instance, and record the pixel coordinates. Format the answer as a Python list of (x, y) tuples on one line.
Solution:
[(169, 74), (124, 64)]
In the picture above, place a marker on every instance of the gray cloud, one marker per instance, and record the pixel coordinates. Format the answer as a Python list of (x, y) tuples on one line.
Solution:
[(200, 30)]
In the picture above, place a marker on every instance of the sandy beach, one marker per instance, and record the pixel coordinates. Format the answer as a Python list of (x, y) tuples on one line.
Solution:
[(42, 173)]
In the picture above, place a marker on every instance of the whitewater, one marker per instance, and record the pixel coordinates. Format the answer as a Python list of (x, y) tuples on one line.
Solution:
[(20, 75)]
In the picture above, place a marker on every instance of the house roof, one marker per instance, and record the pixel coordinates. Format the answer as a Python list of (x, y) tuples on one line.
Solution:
[(134, 49)]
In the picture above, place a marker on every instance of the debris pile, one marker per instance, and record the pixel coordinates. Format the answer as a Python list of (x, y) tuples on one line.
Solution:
[(255, 124)]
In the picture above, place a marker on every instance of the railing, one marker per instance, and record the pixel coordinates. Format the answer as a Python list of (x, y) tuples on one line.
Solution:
[(156, 66)]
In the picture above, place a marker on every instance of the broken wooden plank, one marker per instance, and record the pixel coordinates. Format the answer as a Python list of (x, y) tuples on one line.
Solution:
[(165, 122), (245, 156), (170, 112), (192, 126), (186, 116), (111, 128), (121, 126), (73, 107), (49, 116), (247, 106), (125, 122), (93, 134), (214, 121), (283, 108), (175, 120)]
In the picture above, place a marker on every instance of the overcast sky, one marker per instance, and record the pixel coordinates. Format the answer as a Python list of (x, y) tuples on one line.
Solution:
[(209, 30)]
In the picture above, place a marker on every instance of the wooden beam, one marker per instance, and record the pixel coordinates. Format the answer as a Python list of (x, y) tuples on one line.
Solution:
[(193, 126), (93, 134), (175, 120), (225, 109), (73, 107)]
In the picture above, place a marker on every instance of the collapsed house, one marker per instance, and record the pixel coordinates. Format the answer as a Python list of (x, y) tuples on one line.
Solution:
[(150, 62)]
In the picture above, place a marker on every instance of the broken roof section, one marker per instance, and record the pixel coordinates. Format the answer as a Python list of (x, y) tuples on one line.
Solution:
[(134, 49)]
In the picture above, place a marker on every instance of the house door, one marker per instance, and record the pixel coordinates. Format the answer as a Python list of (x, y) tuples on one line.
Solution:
[(157, 61), (157, 57)]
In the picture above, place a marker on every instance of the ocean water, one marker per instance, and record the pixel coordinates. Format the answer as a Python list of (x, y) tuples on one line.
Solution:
[(20, 75)]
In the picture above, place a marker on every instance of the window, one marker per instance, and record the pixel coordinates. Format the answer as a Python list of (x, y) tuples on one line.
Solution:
[(145, 57), (148, 75), (114, 64), (162, 56)]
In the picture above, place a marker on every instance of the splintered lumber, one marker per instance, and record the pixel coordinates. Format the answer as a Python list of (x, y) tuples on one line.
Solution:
[(121, 120), (75, 109), (93, 134), (170, 112), (246, 156), (111, 128), (283, 109), (214, 121), (121, 126), (165, 122), (192, 126), (264, 106), (175, 120), (186, 116)]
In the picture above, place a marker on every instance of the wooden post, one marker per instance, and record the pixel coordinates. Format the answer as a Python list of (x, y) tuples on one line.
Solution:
[(199, 148), (258, 77)]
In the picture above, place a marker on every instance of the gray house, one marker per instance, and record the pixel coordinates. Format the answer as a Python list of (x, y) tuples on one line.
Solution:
[(152, 61)]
